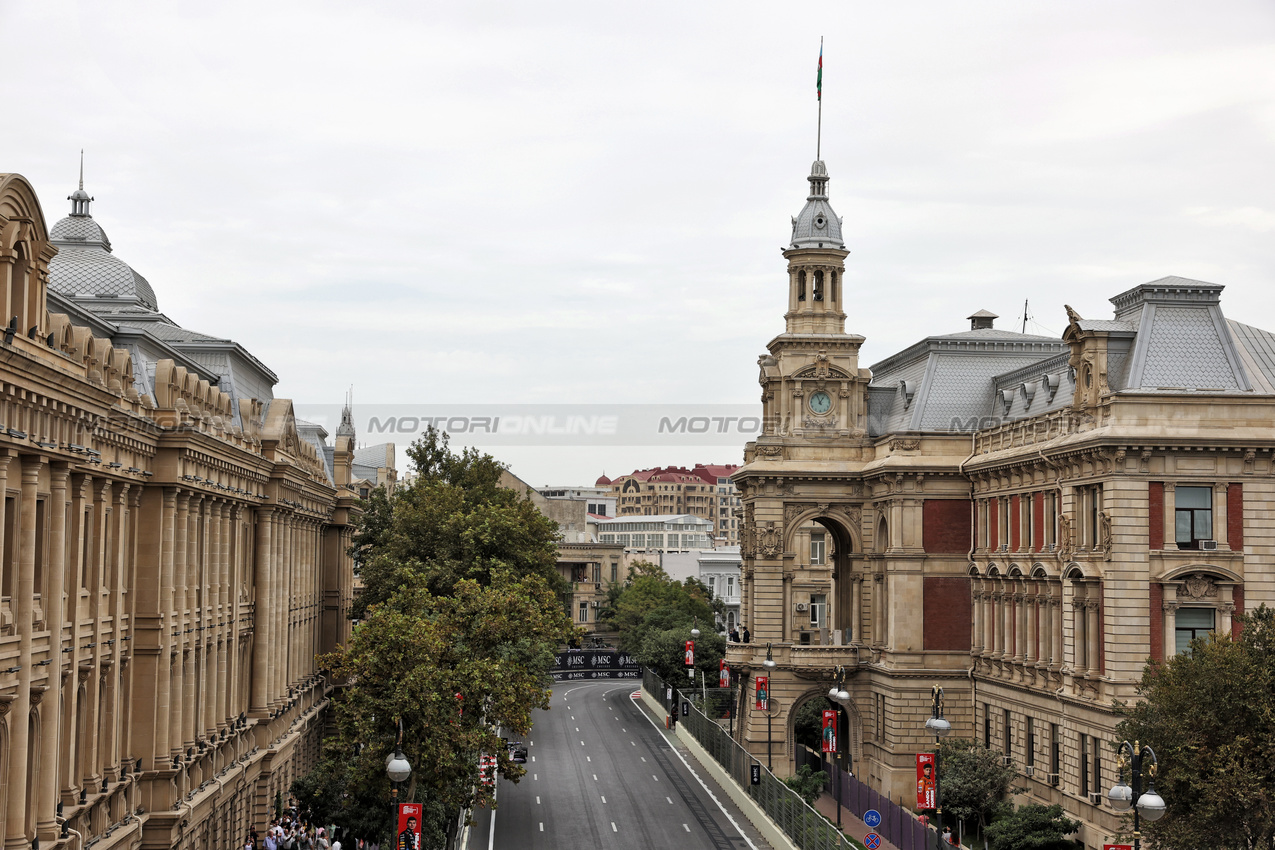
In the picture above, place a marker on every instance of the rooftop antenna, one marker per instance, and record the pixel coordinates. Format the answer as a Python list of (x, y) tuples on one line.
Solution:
[(82, 161), (1024, 315), (819, 97)]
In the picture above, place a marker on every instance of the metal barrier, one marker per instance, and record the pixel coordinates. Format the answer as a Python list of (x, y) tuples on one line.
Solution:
[(899, 826), (807, 828)]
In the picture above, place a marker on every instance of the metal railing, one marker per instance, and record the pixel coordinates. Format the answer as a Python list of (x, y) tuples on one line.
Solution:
[(807, 828)]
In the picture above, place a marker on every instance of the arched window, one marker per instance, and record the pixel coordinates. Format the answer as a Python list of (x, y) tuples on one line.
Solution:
[(832, 291), (801, 285), (818, 286)]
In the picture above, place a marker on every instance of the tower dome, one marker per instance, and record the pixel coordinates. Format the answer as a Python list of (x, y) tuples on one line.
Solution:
[(817, 226), (84, 266)]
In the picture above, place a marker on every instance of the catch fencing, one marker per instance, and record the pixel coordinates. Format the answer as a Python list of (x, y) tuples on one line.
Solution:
[(808, 829), (898, 825)]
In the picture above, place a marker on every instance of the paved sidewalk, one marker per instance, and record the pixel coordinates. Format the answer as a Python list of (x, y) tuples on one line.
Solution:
[(850, 825)]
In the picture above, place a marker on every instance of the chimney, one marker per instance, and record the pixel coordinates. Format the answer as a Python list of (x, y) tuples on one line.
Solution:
[(981, 320)]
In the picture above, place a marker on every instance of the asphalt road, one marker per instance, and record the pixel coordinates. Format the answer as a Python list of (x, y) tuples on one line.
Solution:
[(600, 773)]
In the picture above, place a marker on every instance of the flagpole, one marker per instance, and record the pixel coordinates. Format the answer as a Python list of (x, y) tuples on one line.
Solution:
[(819, 128)]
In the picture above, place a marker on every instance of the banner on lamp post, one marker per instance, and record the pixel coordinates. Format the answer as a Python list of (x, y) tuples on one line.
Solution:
[(925, 784), (723, 674), (829, 731), (763, 693), (409, 826), (690, 653)]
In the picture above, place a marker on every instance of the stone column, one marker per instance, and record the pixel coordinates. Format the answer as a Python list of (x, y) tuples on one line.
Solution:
[(22, 604), (188, 506), (1093, 636), (1219, 518), (1056, 651), (1170, 628), (1079, 642), (989, 617), (976, 637), (1020, 622), (1170, 516), (1031, 633), (1047, 657), (260, 672), (54, 611), (168, 691)]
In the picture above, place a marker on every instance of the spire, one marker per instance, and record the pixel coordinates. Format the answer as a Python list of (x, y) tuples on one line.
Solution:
[(346, 428), (817, 226), (79, 198)]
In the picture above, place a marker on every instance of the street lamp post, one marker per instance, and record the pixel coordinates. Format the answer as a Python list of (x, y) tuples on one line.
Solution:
[(841, 696), (941, 729), (769, 664), (398, 769), (1123, 798)]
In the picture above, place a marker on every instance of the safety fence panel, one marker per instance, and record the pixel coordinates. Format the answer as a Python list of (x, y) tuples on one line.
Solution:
[(807, 828), (899, 826)]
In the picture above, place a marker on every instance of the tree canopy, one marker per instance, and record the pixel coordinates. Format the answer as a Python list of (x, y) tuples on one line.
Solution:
[(1209, 715), (977, 783), (460, 616), (1033, 827)]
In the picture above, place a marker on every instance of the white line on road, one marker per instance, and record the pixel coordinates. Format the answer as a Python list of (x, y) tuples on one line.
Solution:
[(604, 799), (631, 744), (711, 795), (685, 827), (595, 777), (622, 729), (670, 800), (656, 778), (581, 743), (542, 826), (535, 776), (642, 757), (537, 801), (577, 728), (586, 758), (613, 829)]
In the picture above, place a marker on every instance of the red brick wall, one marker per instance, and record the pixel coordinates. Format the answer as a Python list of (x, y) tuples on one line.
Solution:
[(1155, 518), (947, 526), (1235, 516), (948, 613), (1237, 594), (993, 524), (1038, 519), (1157, 618), (1015, 520)]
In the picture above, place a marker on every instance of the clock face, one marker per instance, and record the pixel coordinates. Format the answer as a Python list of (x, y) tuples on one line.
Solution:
[(820, 402)]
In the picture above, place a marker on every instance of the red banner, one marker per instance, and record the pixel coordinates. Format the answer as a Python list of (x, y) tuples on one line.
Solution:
[(723, 675), (829, 731), (690, 653), (409, 826), (925, 781), (763, 693)]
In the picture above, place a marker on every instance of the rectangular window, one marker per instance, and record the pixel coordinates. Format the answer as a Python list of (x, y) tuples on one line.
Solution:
[(615, 572), (10, 544), (1009, 740), (1096, 749), (730, 587), (712, 586), (1193, 516), (597, 574), (817, 546), (1055, 750), (584, 612), (1031, 742), (1050, 529), (1189, 624), (818, 610), (1029, 527), (987, 726), (1084, 765)]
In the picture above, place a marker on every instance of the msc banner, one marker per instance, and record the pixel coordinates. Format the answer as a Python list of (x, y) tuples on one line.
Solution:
[(595, 664)]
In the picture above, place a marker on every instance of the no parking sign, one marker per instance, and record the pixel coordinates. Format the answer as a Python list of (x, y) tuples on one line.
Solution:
[(872, 841)]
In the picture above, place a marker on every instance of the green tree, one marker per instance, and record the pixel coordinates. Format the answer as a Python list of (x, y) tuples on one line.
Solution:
[(975, 782), (807, 723), (1033, 827), (453, 522), (809, 784), (1209, 715)]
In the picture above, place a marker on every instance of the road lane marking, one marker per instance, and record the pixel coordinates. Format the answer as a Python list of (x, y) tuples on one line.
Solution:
[(577, 728), (685, 827), (631, 744), (604, 799), (582, 743), (642, 757), (535, 776), (586, 758), (656, 778), (595, 777), (613, 829), (710, 794), (622, 729), (537, 801), (542, 826), (533, 759), (670, 800)]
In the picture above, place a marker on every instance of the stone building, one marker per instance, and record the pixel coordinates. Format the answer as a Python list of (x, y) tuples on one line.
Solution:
[(1020, 519), (173, 554), (705, 491)]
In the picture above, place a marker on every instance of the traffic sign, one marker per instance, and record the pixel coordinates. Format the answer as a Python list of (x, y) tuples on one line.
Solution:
[(872, 818), (872, 841), (755, 774)]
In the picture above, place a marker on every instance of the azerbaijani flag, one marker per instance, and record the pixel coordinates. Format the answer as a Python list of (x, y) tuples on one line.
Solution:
[(819, 76)]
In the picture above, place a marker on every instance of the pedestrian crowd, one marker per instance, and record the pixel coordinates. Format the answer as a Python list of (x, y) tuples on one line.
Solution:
[(292, 831)]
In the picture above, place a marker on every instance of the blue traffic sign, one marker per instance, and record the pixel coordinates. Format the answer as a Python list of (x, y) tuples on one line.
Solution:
[(872, 818), (872, 841)]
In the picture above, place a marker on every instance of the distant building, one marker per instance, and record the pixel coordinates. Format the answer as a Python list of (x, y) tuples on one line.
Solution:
[(672, 532), (598, 499), (704, 490)]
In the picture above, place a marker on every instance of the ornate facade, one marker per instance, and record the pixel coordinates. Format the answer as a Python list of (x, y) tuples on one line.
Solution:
[(1023, 520), (172, 557)]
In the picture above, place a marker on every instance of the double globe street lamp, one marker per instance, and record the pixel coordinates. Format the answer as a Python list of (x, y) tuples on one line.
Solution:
[(769, 664), (941, 728), (841, 697), (398, 769), (1123, 797)]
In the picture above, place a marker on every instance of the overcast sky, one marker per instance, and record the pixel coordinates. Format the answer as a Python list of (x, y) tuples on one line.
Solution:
[(574, 202)]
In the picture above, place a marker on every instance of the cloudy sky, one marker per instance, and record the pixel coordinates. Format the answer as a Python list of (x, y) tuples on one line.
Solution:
[(583, 202)]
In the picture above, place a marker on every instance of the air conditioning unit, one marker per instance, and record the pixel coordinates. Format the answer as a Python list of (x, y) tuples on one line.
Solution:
[(1053, 779), (1029, 770), (1008, 760), (1052, 547), (597, 604), (1208, 544), (1004, 547), (802, 606), (1095, 797)]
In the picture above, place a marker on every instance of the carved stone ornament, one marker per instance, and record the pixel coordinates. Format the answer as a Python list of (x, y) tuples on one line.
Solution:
[(771, 451), (904, 445), (1104, 534), (1064, 537), (792, 511), (770, 541), (1200, 586)]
